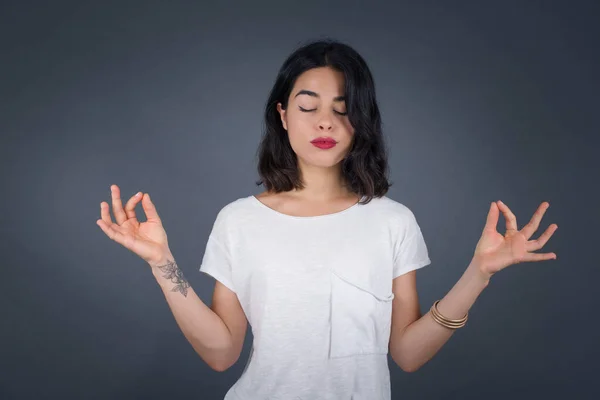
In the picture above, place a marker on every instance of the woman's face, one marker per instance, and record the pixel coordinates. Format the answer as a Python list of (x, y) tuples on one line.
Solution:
[(317, 109)]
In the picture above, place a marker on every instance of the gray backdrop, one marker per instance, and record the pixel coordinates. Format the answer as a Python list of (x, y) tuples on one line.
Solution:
[(481, 101)]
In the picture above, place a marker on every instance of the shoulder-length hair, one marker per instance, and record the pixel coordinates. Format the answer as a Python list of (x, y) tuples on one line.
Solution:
[(365, 168)]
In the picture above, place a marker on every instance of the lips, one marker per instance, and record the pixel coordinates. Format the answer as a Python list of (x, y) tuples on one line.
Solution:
[(324, 140), (324, 143)]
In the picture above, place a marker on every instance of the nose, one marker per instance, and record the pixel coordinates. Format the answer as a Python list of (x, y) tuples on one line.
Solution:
[(325, 124)]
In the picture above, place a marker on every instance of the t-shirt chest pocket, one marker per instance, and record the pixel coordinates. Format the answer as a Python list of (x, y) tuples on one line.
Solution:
[(361, 303)]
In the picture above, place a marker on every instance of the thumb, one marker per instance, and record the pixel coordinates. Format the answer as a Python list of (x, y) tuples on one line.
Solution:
[(492, 217), (150, 209)]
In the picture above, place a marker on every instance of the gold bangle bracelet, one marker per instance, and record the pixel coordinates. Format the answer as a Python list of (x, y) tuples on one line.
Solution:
[(460, 320), (447, 322), (451, 325), (447, 325)]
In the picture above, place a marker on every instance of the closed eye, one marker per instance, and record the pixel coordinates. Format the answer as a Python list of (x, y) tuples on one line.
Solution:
[(314, 109)]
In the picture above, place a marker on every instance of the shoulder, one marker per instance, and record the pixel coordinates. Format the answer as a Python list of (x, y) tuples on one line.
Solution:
[(399, 219), (234, 209), (392, 209)]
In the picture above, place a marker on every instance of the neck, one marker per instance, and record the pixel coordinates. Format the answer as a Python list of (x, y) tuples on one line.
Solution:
[(322, 183)]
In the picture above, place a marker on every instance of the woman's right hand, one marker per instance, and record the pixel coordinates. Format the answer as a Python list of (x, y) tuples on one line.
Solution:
[(146, 239)]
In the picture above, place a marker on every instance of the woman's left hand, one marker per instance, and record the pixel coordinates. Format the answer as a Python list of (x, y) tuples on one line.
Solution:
[(495, 252)]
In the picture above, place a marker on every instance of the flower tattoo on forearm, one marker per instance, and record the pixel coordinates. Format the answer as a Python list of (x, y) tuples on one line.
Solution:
[(171, 271)]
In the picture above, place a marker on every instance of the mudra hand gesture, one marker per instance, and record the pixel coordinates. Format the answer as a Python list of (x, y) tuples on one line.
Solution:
[(495, 251), (146, 239)]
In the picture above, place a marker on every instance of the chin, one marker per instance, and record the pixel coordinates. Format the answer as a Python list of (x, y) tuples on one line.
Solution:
[(324, 161)]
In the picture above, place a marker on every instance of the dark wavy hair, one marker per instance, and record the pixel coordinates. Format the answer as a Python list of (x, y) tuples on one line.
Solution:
[(365, 168)]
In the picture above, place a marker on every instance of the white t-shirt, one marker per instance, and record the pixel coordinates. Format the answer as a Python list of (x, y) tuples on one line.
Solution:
[(317, 292)]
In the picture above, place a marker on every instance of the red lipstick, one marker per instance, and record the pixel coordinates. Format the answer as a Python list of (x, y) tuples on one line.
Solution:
[(324, 142)]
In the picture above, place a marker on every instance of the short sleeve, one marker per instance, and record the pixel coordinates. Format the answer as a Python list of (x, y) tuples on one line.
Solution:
[(216, 261), (410, 250)]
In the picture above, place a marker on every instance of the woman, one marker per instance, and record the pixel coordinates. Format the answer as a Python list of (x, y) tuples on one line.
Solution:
[(322, 263)]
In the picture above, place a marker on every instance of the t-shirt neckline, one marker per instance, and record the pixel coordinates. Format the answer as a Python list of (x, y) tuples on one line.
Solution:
[(312, 217)]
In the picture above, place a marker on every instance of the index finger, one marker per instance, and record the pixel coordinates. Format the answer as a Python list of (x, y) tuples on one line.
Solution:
[(511, 220), (120, 216)]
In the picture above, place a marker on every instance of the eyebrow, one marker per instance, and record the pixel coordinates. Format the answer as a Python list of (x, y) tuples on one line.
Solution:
[(313, 94)]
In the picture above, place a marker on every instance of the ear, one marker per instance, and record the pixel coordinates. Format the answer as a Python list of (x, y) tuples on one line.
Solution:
[(283, 116)]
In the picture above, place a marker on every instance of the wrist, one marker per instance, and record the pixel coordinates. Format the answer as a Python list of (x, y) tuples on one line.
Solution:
[(164, 259), (478, 271)]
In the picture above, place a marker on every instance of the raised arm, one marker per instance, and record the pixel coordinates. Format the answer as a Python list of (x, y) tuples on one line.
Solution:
[(415, 339), (216, 333)]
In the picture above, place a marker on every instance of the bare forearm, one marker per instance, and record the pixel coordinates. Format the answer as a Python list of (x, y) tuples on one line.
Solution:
[(422, 339), (202, 327)]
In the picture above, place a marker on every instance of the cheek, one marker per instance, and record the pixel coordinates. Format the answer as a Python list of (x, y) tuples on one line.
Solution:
[(348, 130), (348, 126), (298, 124)]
